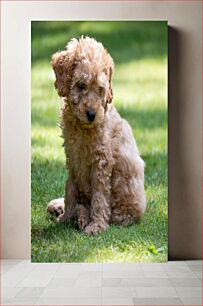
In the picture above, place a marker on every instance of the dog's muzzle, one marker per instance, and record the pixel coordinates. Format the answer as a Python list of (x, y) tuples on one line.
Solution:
[(90, 115)]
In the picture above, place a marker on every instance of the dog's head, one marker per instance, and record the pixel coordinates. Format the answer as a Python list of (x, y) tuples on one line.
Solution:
[(83, 76)]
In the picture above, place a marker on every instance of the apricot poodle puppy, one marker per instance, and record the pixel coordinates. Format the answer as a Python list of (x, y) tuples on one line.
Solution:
[(105, 182)]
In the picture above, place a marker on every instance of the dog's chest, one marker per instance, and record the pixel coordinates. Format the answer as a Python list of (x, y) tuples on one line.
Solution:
[(81, 161), (86, 151)]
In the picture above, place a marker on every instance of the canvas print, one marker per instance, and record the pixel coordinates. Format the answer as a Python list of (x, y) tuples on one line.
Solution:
[(99, 141)]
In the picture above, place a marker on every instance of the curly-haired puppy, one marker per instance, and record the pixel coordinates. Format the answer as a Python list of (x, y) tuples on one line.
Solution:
[(105, 171)]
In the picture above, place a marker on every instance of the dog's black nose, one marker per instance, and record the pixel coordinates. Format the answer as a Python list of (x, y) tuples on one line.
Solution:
[(90, 115)]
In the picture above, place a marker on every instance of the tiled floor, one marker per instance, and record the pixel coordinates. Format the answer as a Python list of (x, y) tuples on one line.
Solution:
[(172, 283)]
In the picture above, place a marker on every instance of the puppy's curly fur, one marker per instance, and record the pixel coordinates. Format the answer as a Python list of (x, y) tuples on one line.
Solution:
[(106, 173)]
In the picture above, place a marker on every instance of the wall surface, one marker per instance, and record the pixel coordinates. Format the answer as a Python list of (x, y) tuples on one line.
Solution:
[(185, 75)]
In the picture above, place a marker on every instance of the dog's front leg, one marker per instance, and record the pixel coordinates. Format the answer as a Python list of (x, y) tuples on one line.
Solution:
[(70, 201), (100, 203), (100, 214)]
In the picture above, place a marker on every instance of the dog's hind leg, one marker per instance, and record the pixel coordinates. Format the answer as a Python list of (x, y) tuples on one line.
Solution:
[(123, 219), (128, 208)]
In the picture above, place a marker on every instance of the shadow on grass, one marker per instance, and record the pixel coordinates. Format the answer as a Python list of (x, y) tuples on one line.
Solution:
[(125, 40), (144, 119), (155, 170)]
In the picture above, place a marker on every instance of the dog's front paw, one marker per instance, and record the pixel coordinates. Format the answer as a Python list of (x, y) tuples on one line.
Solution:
[(94, 228), (82, 216), (82, 222)]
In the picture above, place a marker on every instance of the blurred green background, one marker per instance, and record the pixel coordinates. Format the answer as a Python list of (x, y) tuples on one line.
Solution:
[(139, 50)]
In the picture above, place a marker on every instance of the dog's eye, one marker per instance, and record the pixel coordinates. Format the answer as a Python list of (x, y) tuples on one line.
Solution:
[(82, 86), (101, 90)]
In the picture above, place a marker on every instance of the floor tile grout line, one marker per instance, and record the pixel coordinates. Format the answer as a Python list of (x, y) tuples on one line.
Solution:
[(46, 286), (191, 272), (187, 304), (179, 296), (175, 290), (32, 286), (14, 266), (16, 286)]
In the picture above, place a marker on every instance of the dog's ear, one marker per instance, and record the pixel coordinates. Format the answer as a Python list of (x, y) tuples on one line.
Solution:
[(60, 64), (63, 65), (110, 91)]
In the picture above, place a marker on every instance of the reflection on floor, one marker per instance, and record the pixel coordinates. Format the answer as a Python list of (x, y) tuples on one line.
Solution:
[(172, 283)]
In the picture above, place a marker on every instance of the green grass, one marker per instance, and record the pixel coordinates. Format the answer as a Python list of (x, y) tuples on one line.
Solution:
[(139, 50)]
